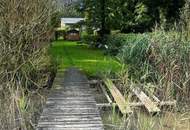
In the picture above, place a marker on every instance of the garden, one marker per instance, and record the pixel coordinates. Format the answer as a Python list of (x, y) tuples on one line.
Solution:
[(131, 42)]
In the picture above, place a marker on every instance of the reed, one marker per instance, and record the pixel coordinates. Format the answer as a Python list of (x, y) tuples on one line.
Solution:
[(25, 27)]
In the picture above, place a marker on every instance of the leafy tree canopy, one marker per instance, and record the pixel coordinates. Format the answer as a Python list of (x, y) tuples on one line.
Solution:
[(131, 15)]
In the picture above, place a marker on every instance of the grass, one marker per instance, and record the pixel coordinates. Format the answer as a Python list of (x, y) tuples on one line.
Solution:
[(90, 60)]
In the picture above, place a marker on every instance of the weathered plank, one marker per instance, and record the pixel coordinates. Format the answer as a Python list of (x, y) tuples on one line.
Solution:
[(118, 97), (71, 106), (161, 103), (106, 94), (148, 103)]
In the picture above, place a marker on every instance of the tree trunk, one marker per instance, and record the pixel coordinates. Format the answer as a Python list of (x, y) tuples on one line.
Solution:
[(103, 28)]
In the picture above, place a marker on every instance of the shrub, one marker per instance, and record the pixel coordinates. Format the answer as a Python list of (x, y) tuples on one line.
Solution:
[(90, 40)]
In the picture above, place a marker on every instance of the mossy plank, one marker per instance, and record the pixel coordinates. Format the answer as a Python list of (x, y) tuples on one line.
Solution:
[(118, 97)]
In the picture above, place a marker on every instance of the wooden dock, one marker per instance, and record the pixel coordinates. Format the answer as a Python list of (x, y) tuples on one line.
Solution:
[(71, 105)]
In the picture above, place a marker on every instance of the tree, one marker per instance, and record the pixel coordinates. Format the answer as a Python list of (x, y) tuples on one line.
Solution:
[(131, 15)]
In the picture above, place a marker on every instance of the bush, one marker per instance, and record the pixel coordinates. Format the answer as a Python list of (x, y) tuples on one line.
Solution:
[(90, 40)]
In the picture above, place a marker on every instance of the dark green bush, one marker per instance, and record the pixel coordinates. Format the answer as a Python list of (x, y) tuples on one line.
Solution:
[(90, 39)]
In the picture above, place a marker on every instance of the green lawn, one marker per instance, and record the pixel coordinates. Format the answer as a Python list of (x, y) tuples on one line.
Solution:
[(92, 61)]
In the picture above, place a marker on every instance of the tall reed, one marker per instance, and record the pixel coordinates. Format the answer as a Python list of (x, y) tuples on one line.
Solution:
[(25, 25)]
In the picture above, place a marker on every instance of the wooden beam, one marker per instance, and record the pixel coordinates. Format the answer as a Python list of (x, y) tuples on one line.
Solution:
[(146, 101), (95, 81), (100, 81), (155, 98), (100, 105), (118, 97), (140, 104), (162, 103), (106, 94)]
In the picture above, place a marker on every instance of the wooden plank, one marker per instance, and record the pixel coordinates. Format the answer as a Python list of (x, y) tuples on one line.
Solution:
[(140, 104), (155, 98), (161, 103), (147, 102), (106, 94), (118, 97), (71, 122), (100, 105), (76, 126), (61, 119), (71, 106), (62, 128)]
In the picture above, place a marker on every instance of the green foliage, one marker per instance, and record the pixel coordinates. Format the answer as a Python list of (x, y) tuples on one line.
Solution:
[(89, 39), (130, 15), (70, 11)]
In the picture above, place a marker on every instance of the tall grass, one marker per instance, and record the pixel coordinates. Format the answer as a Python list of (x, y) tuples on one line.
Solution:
[(170, 58), (185, 21), (25, 27), (161, 58)]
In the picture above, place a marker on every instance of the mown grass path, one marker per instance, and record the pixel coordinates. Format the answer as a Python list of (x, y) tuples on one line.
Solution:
[(90, 60)]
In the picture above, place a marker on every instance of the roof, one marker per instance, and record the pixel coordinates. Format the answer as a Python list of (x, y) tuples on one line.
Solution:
[(67, 2), (72, 20)]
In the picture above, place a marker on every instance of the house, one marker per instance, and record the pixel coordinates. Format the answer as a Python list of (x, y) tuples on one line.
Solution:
[(72, 35), (70, 21), (73, 27), (66, 2)]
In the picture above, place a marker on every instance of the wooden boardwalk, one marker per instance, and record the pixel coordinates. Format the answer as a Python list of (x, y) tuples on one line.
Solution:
[(71, 106)]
